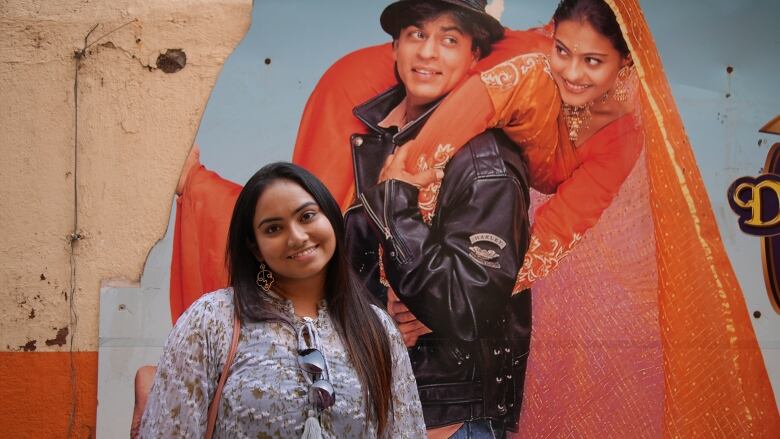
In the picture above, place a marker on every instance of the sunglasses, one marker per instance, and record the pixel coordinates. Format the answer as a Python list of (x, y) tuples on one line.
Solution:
[(312, 362)]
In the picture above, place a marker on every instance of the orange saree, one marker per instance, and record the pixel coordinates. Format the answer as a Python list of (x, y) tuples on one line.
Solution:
[(715, 381)]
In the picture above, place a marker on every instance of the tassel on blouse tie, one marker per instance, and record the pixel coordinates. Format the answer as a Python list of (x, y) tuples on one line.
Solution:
[(320, 390)]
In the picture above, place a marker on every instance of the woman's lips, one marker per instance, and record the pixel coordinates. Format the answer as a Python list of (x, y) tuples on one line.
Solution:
[(575, 88), (304, 254)]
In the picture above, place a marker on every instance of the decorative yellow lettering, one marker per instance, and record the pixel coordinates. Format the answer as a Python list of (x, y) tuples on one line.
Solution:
[(754, 202)]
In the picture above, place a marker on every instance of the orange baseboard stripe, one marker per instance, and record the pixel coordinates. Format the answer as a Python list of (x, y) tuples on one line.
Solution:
[(36, 390)]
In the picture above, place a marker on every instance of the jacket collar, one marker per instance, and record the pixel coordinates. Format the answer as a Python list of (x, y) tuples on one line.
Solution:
[(373, 111)]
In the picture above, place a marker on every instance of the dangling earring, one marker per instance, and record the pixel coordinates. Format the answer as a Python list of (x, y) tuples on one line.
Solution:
[(621, 83), (265, 278)]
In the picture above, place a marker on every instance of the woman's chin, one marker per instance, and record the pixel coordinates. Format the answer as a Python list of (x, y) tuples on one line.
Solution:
[(576, 100)]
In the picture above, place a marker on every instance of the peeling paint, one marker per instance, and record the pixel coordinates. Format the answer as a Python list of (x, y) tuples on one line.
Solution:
[(118, 105), (30, 346), (60, 339), (172, 60)]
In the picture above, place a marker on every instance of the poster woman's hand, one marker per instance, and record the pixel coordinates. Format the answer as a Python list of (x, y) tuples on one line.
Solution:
[(394, 169)]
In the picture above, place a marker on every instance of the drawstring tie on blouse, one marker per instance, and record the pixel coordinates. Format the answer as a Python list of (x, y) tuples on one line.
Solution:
[(312, 428)]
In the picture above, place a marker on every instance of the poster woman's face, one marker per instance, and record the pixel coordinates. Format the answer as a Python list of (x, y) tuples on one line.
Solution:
[(293, 236), (584, 62), (432, 58)]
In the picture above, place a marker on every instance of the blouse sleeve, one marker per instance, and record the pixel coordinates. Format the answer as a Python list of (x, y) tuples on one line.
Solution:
[(520, 97), (527, 107), (188, 371), (577, 205), (406, 418)]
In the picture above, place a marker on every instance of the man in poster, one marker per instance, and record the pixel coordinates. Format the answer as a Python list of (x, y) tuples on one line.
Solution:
[(454, 270)]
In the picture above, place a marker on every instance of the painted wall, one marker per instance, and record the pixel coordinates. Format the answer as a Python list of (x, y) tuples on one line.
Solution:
[(99, 104)]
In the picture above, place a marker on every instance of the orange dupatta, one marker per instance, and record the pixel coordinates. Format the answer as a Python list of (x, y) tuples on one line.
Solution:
[(722, 388)]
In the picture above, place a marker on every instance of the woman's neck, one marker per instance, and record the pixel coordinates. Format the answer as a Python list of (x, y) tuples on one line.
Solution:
[(304, 294), (601, 115)]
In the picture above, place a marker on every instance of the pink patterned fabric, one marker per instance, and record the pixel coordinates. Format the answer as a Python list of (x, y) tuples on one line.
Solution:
[(604, 379)]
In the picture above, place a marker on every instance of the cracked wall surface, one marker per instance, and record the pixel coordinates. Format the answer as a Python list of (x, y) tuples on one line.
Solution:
[(88, 174)]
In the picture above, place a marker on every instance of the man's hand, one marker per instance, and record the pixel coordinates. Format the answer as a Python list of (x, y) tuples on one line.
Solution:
[(395, 169), (410, 327)]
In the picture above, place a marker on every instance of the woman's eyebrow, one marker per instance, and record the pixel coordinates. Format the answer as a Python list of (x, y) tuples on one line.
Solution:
[(303, 206), (277, 218), (586, 53)]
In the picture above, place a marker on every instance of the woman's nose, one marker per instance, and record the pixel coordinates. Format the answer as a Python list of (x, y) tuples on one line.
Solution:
[(573, 71), (298, 236)]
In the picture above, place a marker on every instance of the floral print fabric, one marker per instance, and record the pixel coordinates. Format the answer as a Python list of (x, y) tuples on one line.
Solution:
[(265, 395)]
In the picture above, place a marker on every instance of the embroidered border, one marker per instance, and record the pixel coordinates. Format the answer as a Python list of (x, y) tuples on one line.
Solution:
[(539, 262)]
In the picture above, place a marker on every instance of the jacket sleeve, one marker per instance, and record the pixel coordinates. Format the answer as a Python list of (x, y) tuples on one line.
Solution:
[(456, 276)]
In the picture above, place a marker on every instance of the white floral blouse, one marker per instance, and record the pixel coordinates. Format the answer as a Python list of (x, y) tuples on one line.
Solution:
[(265, 395)]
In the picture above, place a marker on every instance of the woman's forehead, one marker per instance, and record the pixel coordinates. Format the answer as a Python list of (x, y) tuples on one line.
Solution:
[(282, 198), (581, 37)]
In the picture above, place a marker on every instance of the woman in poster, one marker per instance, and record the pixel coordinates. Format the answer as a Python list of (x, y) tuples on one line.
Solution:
[(643, 328)]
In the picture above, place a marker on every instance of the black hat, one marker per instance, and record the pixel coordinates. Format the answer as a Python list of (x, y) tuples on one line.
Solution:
[(392, 12)]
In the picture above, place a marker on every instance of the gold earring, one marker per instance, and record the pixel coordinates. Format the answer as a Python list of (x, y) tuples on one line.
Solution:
[(265, 278), (621, 83)]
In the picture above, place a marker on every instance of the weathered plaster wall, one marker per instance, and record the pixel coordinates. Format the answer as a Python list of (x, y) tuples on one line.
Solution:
[(100, 161)]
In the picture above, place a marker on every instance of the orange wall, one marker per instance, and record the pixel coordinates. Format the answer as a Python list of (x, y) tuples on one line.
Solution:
[(36, 394)]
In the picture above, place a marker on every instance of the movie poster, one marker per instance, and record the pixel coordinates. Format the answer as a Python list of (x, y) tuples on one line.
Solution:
[(652, 257)]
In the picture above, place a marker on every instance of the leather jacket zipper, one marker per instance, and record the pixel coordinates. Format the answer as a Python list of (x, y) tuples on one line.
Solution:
[(386, 225), (374, 217), (396, 245)]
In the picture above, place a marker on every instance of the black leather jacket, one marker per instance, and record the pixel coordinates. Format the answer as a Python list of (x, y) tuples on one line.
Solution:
[(455, 275)]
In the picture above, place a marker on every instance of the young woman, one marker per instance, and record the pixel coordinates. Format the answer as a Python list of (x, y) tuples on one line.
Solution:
[(313, 354)]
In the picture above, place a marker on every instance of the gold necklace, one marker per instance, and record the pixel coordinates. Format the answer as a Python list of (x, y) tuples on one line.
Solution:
[(578, 117)]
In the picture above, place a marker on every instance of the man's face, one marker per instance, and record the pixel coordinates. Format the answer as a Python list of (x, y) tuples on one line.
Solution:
[(432, 58)]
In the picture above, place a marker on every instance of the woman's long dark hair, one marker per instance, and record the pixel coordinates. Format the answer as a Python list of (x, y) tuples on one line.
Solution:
[(349, 305), (599, 15)]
